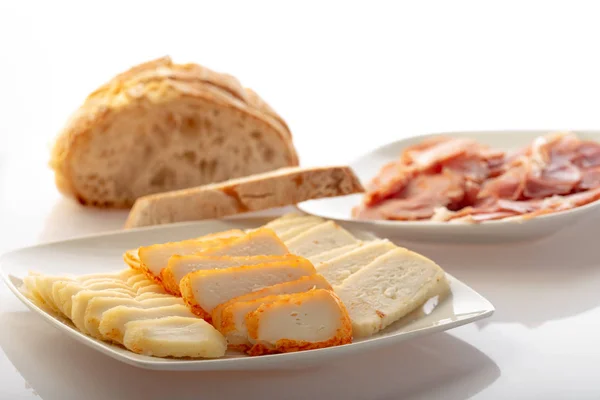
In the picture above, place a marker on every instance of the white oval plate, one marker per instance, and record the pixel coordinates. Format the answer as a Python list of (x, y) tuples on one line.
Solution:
[(103, 253), (367, 166)]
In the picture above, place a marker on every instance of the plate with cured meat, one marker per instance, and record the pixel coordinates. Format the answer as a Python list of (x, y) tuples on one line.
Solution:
[(483, 186)]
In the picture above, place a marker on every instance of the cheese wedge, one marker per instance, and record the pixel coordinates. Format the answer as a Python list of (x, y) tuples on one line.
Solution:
[(98, 305), (80, 302), (389, 288), (155, 257), (341, 267), (202, 291), (112, 325), (230, 318), (180, 266), (174, 337), (65, 294), (323, 237), (333, 253), (300, 321)]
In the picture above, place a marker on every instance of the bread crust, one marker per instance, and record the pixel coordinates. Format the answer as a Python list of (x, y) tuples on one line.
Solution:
[(283, 187), (157, 83)]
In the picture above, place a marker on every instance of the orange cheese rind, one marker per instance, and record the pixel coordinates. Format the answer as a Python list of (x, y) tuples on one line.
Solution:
[(171, 284), (219, 318), (342, 336), (189, 299), (132, 259)]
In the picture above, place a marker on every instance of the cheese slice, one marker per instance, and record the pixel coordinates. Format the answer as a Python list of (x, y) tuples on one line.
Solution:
[(151, 295), (283, 224), (333, 253), (122, 275), (343, 266), (174, 337), (323, 237), (132, 258), (44, 285), (204, 290), (60, 295), (300, 321), (294, 231), (230, 318), (180, 266), (66, 293), (155, 257), (79, 303), (112, 325), (260, 242), (98, 305), (389, 288)]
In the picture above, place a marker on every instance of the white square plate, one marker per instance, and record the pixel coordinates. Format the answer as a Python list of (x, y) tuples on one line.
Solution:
[(367, 166), (103, 253)]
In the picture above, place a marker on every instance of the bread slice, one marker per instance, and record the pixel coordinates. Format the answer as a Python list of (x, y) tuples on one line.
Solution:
[(283, 187), (161, 126), (390, 287)]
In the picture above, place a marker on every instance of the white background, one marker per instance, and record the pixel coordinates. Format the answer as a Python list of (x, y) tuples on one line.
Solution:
[(346, 76)]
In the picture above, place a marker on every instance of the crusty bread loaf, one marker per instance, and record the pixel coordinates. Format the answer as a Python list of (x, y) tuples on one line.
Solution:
[(279, 188), (161, 126)]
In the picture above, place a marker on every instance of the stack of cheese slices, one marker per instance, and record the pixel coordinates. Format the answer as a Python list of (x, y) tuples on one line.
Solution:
[(297, 283)]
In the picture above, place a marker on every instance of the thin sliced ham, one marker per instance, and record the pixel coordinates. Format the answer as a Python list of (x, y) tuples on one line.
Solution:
[(460, 180)]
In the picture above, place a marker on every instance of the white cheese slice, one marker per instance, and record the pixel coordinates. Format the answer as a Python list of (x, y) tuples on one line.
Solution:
[(174, 337), (389, 288), (283, 224), (333, 253), (66, 293), (294, 231), (97, 306), (230, 318), (300, 321), (340, 268), (79, 303), (204, 290), (320, 238), (112, 325)]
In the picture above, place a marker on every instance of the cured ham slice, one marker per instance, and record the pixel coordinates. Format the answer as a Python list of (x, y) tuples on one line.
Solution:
[(460, 180)]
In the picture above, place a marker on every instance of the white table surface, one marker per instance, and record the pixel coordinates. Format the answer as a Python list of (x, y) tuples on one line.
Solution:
[(346, 78)]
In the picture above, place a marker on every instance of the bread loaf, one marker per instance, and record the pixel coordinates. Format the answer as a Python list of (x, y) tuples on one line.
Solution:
[(279, 188), (161, 126)]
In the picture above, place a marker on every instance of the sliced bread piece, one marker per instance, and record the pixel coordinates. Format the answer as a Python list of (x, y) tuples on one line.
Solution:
[(162, 126), (300, 321), (278, 188), (323, 237), (389, 288)]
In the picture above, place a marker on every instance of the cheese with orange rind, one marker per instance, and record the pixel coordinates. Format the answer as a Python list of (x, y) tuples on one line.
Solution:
[(202, 291), (300, 321)]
